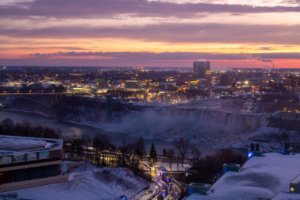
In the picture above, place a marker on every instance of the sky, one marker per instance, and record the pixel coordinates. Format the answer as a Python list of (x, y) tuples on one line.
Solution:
[(170, 33)]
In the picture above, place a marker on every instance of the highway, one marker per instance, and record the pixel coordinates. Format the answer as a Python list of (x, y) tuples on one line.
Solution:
[(163, 187)]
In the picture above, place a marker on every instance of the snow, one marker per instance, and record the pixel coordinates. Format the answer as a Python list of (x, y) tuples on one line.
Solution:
[(198, 197), (91, 183), (286, 196), (260, 178), (14, 144)]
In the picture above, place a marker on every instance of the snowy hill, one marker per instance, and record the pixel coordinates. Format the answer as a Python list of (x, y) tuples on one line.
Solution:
[(89, 183), (266, 177)]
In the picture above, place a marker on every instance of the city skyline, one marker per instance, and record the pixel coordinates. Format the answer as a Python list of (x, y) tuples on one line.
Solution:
[(150, 33)]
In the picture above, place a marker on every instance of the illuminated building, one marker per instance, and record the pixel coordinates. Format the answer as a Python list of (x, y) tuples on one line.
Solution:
[(81, 90)]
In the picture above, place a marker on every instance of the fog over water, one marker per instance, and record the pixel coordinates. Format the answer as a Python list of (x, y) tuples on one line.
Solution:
[(73, 129), (204, 128)]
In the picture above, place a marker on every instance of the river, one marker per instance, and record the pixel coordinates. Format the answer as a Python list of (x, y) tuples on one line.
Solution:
[(70, 129)]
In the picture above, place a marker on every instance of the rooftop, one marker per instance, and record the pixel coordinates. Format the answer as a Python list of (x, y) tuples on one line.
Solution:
[(296, 180), (10, 145), (264, 177)]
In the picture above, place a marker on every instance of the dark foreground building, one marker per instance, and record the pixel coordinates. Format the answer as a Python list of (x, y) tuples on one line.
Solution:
[(27, 162)]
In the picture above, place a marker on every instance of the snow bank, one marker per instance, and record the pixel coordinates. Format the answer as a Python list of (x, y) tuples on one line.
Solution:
[(89, 183), (260, 178)]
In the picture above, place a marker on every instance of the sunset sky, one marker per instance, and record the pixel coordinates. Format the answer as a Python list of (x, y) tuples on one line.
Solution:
[(232, 33)]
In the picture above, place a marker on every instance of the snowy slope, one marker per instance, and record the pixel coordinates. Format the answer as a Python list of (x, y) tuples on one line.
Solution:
[(260, 178), (89, 183)]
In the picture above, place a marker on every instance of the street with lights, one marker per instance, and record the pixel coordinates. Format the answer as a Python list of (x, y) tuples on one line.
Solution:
[(164, 187)]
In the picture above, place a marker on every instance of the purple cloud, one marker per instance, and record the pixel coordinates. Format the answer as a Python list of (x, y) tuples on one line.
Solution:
[(110, 8), (175, 59), (171, 32), (169, 55)]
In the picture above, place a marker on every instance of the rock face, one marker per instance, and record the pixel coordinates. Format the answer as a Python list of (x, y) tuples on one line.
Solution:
[(169, 123), (288, 121)]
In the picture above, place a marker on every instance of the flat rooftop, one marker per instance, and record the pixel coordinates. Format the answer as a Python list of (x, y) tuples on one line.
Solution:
[(265, 177), (296, 180), (287, 196), (11, 145)]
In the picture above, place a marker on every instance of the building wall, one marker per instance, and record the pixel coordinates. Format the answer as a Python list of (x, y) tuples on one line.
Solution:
[(33, 183), (29, 174), (200, 68)]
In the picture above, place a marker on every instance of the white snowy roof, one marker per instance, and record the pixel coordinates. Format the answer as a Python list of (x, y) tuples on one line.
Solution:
[(198, 197), (260, 178), (15, 144), (287, 196), (296, 180), (89, 183)]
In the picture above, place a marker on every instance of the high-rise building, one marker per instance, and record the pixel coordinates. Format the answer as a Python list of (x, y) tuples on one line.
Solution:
[(201, 68)]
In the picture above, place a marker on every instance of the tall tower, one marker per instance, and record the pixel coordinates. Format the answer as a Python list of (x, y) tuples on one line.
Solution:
[(201, 68)]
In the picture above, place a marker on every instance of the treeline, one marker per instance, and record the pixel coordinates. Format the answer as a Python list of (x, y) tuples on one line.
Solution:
[(209, 168), (76, 147), (285, 123), (25, 129), (105, 153)]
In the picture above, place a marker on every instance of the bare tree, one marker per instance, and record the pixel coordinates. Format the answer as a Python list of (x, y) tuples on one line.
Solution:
[(182, 146), (170, 154), (140, 148), (195, 153), (153, 155), (77, 144), (101, 142)]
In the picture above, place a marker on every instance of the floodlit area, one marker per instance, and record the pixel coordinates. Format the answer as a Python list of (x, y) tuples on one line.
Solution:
[(266, 177)]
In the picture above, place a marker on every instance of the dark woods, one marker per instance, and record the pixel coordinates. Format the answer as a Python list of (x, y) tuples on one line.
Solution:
[(25, 129)]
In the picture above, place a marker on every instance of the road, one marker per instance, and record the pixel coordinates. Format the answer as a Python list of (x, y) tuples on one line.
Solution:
[(163, 187)]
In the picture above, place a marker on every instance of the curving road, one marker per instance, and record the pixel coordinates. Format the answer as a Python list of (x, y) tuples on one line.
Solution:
[(163, 187)]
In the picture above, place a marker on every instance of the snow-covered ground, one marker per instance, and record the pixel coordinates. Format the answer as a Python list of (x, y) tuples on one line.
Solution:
[(90, 183), (286, 196), (264, 177)]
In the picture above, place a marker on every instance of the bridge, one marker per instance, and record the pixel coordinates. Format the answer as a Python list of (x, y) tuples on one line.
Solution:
[(43, 101), (34, 93)]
